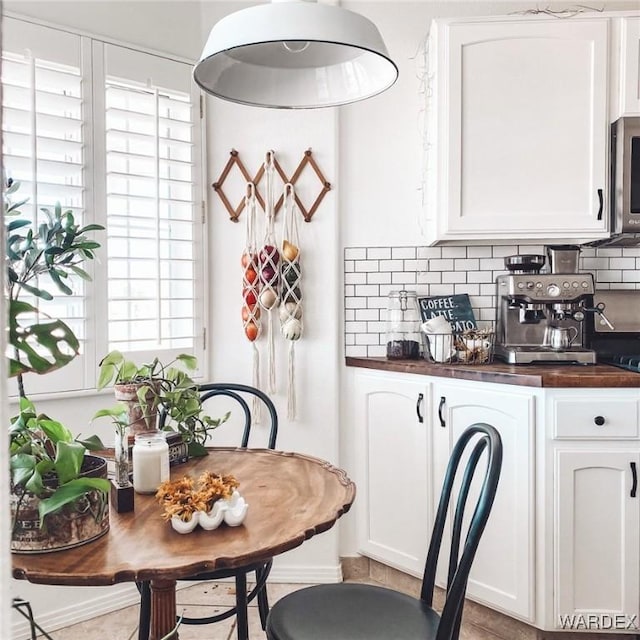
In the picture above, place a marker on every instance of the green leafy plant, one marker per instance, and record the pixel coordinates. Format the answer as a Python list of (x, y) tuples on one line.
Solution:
[(45, 458), (39, 255), (43, 449), (167, 386)]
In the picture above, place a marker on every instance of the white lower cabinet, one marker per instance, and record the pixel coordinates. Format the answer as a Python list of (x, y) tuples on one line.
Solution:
[(561, 549), (391, 415), (503, 570), (596, 537)]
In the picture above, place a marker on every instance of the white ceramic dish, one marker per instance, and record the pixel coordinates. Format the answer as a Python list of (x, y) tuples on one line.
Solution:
[(232, 511)]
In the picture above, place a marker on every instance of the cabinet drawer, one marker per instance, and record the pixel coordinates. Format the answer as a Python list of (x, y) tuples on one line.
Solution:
[(598, 418)]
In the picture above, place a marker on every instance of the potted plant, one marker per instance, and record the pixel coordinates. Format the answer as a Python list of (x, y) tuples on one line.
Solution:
[(147, 387), (57, 501)]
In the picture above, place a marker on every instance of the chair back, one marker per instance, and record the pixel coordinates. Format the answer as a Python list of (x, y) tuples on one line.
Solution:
[(238, 392), (460, 563)]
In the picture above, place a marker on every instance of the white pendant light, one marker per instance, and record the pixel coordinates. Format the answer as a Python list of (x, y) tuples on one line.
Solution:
[(295, 54)]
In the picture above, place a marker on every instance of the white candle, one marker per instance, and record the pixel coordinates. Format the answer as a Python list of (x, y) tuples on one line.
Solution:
[(150, 458)]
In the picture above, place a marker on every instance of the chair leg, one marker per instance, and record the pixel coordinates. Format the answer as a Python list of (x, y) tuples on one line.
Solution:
[(263, 600), (241, 606), (144, 619)]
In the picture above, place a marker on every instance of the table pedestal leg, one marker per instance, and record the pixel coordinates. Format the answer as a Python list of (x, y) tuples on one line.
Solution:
[(163, 608)]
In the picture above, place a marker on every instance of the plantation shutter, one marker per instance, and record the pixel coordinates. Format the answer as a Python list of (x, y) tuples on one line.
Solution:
[(44, 137), (153, 205)]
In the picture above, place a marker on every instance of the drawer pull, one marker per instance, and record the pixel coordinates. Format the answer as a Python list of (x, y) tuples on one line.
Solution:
[(634, 479), (440, 407), (418, 403), (599, 420)]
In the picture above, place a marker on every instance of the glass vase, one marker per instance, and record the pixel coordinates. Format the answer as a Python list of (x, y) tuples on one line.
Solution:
[(122, 458)]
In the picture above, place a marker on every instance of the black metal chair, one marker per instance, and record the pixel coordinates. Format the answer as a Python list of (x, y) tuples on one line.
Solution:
[(366, 612), (262, 570)]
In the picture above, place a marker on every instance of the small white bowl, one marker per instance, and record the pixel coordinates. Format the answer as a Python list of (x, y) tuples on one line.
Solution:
[(185, 527)]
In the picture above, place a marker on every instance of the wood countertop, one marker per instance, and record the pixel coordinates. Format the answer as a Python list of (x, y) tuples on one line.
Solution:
[(541, 375)]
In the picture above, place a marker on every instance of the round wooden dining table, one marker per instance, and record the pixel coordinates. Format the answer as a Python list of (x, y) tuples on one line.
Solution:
[(291, 498)]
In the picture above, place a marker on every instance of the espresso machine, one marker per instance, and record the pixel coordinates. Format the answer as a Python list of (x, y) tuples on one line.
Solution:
[(541, 315)]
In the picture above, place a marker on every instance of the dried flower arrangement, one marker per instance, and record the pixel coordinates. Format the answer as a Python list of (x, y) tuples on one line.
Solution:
[(183, 497)]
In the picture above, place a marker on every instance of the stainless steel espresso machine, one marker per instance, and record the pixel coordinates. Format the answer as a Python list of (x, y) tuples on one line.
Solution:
[(541, 316)]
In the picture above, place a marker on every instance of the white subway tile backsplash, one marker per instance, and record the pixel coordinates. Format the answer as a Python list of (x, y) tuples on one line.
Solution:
[(407, 253), (403, 278), (452, 277), (372, 272), (429, 252), (466, 264), (377, 352), (441, 265), (355, 278), (391, 265), (377, 303), (454, 252), (429, 277), (491, 264), (471, 289), (622, 263), (355, 253), (480, 276), (415, 265), (379, 253), (479, 252), (355, 327), (609, 275), (367, 338), (380, 277), (501, 251), (369, 314), (367, 265), (367, 290)]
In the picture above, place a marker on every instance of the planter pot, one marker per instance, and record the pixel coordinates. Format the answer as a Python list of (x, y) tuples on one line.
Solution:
[(75, 524), (141, 418)]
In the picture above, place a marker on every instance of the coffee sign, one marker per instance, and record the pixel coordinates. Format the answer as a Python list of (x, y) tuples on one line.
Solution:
[(456, 309)]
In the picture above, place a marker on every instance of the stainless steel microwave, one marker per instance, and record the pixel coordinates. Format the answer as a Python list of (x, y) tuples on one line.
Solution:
[(625, 183)]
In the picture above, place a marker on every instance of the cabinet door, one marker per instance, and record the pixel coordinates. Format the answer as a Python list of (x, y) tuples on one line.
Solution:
[(522, 129), (503, 570), (630, 66), (394, 479), (596, 534)]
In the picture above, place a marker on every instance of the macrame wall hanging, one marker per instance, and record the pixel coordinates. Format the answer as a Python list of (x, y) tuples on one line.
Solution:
[(269, 269), (291, 291), (272, 275), (251, 291)]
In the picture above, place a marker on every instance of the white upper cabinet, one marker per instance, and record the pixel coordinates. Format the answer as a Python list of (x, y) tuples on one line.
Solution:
[(517, 129)]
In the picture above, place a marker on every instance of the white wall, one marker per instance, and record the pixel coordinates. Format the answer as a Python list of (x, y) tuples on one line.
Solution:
[(252, 132)]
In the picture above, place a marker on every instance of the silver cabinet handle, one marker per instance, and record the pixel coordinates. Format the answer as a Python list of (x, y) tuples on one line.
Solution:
[(418, 403)]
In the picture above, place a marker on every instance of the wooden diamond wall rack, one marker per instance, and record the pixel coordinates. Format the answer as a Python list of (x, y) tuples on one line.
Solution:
[(234, 160)]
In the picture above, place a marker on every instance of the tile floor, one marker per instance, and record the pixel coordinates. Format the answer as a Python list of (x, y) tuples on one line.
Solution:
[(203, 599)]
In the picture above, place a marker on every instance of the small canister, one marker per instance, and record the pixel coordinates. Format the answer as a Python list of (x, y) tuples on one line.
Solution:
[(150, 459), (403, 326)]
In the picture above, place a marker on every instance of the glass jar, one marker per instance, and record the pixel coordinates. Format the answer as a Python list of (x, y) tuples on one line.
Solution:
[(403, 326), (150, 459)]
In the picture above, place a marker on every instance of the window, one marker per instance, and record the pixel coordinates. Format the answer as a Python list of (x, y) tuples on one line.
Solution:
[(115, 135)]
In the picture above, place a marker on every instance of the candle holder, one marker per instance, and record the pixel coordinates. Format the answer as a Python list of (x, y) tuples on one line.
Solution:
[(150, 457)]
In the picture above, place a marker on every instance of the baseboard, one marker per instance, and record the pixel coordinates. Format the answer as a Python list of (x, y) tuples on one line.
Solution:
[(305, 575), (120, 596)]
